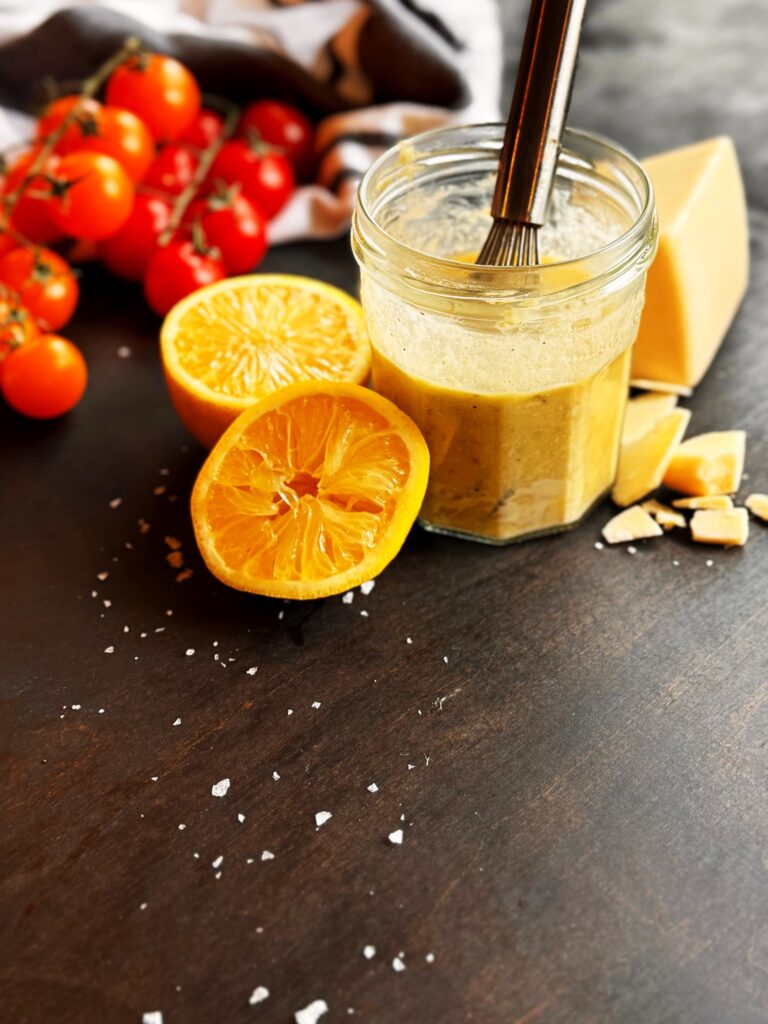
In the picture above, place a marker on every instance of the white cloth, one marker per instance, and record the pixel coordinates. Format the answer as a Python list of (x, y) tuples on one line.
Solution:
[(322, 39)]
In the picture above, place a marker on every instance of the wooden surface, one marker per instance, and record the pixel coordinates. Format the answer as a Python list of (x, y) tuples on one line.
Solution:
[(573, 741)]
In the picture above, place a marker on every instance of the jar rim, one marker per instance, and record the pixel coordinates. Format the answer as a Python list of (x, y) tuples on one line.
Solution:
[(494, 281)]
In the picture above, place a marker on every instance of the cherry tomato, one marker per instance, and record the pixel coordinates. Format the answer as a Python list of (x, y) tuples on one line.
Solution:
[(284, 127), (121, 135), (175, 271), (17, 327), (7, 243), (83, 124), (129, 250), (45, 378), (265, 177), (204, 129), (160, 90), (236, 227), (45, 284), (31, 215), (98, 199), (172, 170)]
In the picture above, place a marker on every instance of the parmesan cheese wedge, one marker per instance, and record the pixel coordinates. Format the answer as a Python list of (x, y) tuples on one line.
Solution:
[(713, 501), (729, 526), (699, 276), (631, 524), (643, 463), (708, 464), (758, 505), (643, 412)]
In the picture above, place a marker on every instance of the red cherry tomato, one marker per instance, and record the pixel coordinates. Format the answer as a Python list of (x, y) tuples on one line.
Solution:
[(205, 129), (7, 243), (128, 252), (172, 170), (265, 177), (98, 199), (159, 90), (121, 135), (17, 327), (45, 284), (31, 215), (284, 127), (175, 271), (236, 227), (83, 124), (45, 378)]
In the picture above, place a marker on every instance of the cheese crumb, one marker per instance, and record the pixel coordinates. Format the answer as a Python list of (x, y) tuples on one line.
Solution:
[(258, 995), (712, 501), (220, 788), (729, 527), (708, 463), (665, 516), (311, 1014), (758, 505), (633, 523)]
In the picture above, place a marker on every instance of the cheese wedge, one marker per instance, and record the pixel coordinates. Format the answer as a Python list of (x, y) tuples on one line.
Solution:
[(631, 524), (708, 463), (713, 501), (729, 527), (643, 412), (643, 463), (758, 505), (699, 276)]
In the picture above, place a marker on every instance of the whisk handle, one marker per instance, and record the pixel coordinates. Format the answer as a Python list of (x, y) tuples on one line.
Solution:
[(538, 111)]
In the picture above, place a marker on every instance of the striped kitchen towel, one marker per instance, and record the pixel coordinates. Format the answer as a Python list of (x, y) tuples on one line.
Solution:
[(368, 72)]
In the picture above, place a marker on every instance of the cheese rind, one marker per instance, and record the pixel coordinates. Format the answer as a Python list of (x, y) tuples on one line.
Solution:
[(699, 275), (729, 526), (715, 501), (708, 463), (643, 463), (631, 524), (643, 412), (758, 505)]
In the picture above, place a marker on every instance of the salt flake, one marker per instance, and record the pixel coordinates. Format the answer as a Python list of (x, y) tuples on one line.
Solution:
[(220, 788), (258, 995), (321, 817)]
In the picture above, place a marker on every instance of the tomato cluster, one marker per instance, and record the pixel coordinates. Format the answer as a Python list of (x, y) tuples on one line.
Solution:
[(163, 190)]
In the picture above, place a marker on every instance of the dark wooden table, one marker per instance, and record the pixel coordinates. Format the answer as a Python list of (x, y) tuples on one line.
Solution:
[(573, 741)]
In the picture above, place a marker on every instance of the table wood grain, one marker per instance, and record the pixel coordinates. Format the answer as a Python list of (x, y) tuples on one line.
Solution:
[(573, 741)]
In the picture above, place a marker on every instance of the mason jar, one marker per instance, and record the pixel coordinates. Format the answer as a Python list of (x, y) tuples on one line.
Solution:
[(516, 376)]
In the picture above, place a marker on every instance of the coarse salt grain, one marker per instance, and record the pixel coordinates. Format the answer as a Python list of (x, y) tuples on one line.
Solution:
[(312, 1013), (372, 788), (107, 603), (364, 613), (220, 788), (408, 640), (102, 576), (631, 550), (321, 817), (241, 818), (369, 952), (189, 651), (258, 995), (398, 964), (123, 352), (182, 826), (396, 837), (217, 863), (267, 855), (276, 776), (252, 671), (348, 598), (153, 1017), (109, 650), (157, 491), (366, 588), (116, 503), (316, 704), (599, 545), (430, 958)]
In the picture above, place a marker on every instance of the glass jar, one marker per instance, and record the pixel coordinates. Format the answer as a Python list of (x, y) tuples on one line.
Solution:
[(517, 377)]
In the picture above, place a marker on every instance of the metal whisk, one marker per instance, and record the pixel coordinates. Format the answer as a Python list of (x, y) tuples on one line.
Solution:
[(534, 130)]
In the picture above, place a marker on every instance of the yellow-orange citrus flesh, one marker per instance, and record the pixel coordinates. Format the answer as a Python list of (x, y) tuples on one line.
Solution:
[(310, 492), (232, 343)]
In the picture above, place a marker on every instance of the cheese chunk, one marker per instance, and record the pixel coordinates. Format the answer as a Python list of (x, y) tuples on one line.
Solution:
[(758, 505), (713, 501), (643, 412), (631, 524), (661, 385), (730, 526), (665, 516), (708, 463), (699, 276), (643, 463)]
